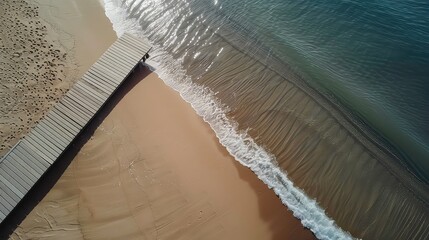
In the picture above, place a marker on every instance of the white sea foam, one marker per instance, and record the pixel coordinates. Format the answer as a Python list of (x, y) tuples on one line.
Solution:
[(238, 143)]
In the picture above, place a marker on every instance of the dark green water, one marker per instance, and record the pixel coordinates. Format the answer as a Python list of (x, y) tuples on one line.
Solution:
[(326, 101), (373, 56)]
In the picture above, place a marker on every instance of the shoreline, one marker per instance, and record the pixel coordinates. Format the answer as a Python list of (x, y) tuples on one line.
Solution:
[(264, 214), (89, 43)]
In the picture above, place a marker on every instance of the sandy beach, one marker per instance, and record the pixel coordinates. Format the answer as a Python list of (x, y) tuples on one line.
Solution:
[(46, 46), (153, 169)]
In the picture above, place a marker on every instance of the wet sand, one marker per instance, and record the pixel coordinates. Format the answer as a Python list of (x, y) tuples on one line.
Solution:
[(154, 170)]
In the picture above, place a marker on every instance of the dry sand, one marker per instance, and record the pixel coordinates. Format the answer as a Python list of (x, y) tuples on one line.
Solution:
[(34, 69), (86, 31), (154, 170), (45, 46)]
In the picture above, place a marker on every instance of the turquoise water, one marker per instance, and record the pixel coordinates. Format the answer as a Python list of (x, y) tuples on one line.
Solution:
[(373, 56), (325, 101)]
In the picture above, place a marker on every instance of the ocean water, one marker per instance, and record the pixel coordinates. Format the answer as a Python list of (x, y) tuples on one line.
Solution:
[(326, 101)]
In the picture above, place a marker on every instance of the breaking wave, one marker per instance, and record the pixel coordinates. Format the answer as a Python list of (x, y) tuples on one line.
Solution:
[(291, 136)]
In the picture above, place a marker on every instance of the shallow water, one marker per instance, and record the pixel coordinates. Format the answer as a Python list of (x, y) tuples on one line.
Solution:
[(250, 69)]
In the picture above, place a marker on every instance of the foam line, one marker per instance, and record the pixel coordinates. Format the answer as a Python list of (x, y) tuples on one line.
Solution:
[(238, 143)]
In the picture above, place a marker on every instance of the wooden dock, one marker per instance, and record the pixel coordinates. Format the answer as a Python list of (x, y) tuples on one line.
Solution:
[(31, 157)]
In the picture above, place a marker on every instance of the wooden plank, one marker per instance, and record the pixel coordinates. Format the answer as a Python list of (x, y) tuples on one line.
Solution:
[(81, 86), (127, 62), (32, 156), (60, 135), (105, 74), (30, 161), (32, 174), (133, 53), (67, 113), (94, 92), (91, 82), (78, 108), (28, 172), (39, 149), (82, 102), (85, 102), (61, 130), (53, 150), (140, 49), (34, 148), (133, 57), (5, 207), (54, 128), (7, 199), (52, 136), (65, 122), (18, 174), (87, 92), (49, 139), (44, 144), (5, 202), (11, 182), (128, 45), (120, 71), (91, 102), (108, 82), (137, 40), (22, 161), (84, 94), (95, 83), (114, 64), (14, 199), (102, 95), (6, 194), (38, 162), (89, 79), (32, 140), (2, 216), (114, 57), (68, 124), (118, 55), (132, 46)]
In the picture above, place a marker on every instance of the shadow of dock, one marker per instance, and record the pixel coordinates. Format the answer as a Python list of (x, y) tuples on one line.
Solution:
[(51, 176)]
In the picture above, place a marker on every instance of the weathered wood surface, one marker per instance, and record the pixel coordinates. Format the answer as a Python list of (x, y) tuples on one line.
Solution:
[(31, 157)]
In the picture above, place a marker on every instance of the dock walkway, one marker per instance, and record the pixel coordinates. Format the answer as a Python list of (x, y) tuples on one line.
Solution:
[(31, 157)]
